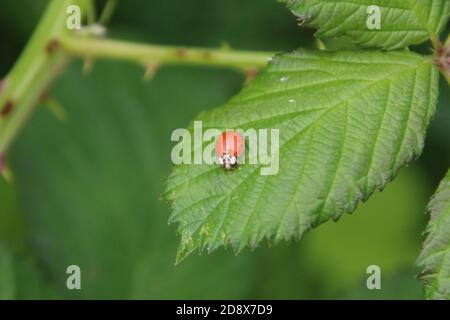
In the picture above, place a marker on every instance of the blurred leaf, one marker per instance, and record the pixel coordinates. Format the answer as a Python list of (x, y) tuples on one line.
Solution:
[(7, 285), (91, 192), (434, 260), (403, 23), (12, 229), (20, 22), (31, 282), (402, 285), (385, 231), (347, 120), (20, 279), (221, 276)]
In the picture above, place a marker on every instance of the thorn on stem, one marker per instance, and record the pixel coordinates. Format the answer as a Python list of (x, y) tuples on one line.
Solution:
[(88, 65), (53, 105), (150, 71), (250, 74), (4, 170)]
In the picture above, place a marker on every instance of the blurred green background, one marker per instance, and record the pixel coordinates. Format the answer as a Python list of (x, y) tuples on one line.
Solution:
[(87, 190)]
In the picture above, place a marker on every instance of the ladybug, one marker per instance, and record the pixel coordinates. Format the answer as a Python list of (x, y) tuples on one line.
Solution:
[(229, 147)]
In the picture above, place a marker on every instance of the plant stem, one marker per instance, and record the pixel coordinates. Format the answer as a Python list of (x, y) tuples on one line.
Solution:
[(147, 54), (35, 69), (108, 12)]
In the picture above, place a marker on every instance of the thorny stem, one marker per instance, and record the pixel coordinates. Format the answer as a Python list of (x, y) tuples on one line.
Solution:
[(147, 54), (36, 68), (52, 44)]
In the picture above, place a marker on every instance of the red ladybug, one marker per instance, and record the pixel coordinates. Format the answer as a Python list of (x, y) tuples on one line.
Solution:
[(229, 147)]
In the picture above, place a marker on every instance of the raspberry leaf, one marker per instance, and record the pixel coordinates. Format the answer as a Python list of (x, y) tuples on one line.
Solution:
[(402, 22), (434, 260), (347, 121)]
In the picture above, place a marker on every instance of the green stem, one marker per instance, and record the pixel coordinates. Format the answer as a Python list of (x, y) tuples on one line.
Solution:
[(147, 54), (108, 11), (34, 71)]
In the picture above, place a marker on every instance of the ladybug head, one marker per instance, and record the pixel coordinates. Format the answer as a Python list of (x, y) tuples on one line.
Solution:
[(229, 147)]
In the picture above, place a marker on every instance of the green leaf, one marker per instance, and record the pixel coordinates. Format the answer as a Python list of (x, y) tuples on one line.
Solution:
[(434, 260), (348, 121), (20, 278), (403, 22)]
